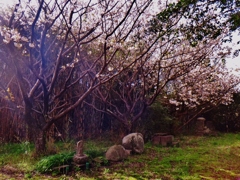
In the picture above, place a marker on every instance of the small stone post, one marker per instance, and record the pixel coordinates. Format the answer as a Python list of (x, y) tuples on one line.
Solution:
[(200, 126), (79, 150), (80, 158)]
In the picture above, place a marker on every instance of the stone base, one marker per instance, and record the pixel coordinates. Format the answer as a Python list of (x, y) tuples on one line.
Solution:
[(80, 159), (156, 138), (162, 139)]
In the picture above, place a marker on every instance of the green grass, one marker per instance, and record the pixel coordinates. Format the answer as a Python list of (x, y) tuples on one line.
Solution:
[(197, 158), (18, 155)]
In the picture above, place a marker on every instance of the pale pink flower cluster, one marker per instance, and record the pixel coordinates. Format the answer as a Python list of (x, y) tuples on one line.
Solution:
[(211, 84)]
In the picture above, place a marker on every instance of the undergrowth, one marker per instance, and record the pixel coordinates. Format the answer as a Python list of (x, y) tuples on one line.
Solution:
[(197, 158)]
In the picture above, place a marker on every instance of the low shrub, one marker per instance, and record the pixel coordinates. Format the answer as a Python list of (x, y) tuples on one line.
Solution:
[(47, 164), (93, 153), (157, 118), (95, 149)]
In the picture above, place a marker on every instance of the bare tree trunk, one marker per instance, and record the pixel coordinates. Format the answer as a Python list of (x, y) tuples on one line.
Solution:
[(40, 143), (36, 132)]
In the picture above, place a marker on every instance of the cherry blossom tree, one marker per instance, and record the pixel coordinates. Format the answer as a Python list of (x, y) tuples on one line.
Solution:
[(202, 89), (203, 21), (58, 52), (190, 34), (127, 96)]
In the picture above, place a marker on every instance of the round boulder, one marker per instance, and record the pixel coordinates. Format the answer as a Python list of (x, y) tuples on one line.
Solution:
[(134, 142), (116, 153)]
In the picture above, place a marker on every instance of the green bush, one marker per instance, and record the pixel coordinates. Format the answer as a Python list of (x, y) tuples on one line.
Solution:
[(93, 153), (47, 164), (226, 118), (157, 118), (95, 149)]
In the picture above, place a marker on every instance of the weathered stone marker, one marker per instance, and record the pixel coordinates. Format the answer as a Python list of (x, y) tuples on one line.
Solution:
[(79, 158), (200, 123)]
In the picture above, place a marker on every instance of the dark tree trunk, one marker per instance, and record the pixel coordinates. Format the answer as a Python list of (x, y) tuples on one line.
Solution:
[(40, 143), (36, 131)]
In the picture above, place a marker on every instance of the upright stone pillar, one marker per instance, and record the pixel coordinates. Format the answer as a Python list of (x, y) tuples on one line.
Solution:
[(79, 158), (200, 126)]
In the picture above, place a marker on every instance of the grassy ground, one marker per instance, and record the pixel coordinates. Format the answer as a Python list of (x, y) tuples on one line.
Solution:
[(197, 158)]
